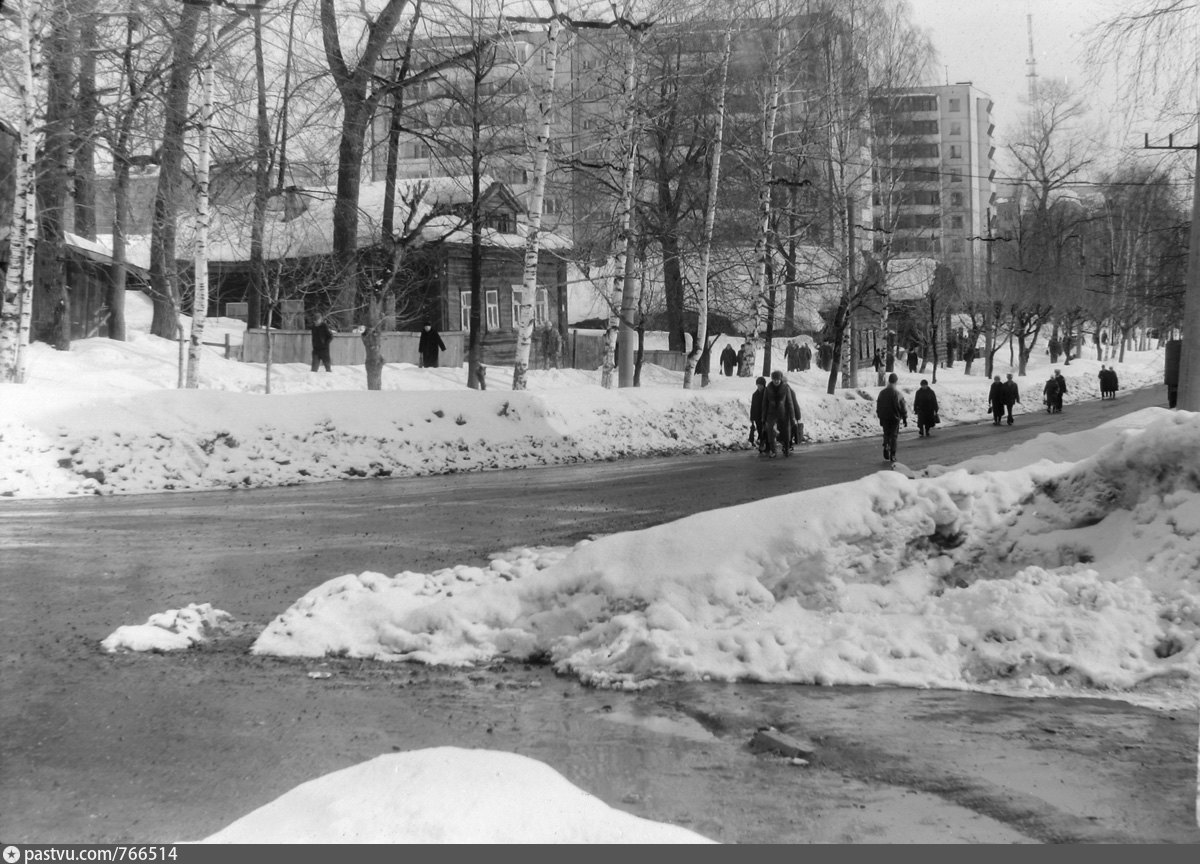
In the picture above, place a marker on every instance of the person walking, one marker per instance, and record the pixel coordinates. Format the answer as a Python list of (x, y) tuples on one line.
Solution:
[(1061, 392), (321, 336), (429, 346), (912, 359), (891, 411), (795, 428), (1113, 386), (777, 413), (878, 365), (1012, 395), (925, 406), (996, 400), (756, 414), (728, 360), (1048, 391)]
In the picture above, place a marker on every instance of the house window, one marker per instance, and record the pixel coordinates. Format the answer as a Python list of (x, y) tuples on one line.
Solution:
[(543, 305), (955, 106), (518, 297), (956, 244), (956, 222), (956, 128), (955, 175), (418, 150), (492, 306), (955, 151), (464, 310), (956, 199)]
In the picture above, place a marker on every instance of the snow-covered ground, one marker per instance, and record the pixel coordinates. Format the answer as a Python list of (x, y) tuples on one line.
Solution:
[(1039, 571), (106, 417)]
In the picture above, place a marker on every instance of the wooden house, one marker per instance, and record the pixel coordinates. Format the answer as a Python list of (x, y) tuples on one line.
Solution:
[(434, 284)]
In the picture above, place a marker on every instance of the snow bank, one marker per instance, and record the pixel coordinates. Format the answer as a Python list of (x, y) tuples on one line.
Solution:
[(445, 795), (1049, 577)]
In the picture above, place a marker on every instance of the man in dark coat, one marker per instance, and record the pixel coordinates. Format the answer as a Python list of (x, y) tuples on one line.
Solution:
[(322, 336), (1012, 395), (912, 359), (925, 405), (891, 411), (1062, 391), (1113, 386), (778, 414), (728, 360), (996, 400), (756, 414), (805, 357), (429, 346)]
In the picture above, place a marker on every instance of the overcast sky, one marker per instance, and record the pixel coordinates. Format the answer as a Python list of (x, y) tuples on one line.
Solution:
[(986, 42)]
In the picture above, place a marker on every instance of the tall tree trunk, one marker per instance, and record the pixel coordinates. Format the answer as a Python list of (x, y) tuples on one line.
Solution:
[(533, 238), (85, 125), (623, 301), (164, 275), (17, 305), (710, 216), (53, 177), (200, 294), (345, 217), (762, 238), (262, 181)]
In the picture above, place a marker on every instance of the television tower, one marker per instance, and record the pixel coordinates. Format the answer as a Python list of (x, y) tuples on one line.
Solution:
[(1031, 64)]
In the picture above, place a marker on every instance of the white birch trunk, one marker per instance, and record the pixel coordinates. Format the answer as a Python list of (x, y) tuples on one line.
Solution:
[(533, 238), (762, 248), (624, 300), (16, 308), (710, 216), (200, 294)]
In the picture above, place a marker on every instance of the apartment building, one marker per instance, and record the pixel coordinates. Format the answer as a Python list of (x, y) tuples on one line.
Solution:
[(935, 176)]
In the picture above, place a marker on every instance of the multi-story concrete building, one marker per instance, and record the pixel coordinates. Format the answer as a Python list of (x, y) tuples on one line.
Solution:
[(935, 189)]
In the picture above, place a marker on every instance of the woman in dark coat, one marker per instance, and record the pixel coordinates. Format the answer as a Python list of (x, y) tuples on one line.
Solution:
[(728, 360), (429, 345), (996, 400), (925, 405)]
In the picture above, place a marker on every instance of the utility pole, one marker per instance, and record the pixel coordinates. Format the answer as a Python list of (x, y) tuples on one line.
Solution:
[(1189, 362)]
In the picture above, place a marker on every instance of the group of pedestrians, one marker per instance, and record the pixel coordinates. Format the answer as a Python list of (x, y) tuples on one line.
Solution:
[(1108, 383), (775, 416), (1002, 396), (1053, 392)]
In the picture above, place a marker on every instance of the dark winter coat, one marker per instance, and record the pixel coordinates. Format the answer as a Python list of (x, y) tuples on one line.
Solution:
[(890, 407), (996, 395), (1012, 394), (778, 405), (756, 405), (322, 336), (429, 345), (728, 359), (925, 405)]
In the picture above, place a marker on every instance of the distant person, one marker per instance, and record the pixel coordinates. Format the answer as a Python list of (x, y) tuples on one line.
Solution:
[(1012, 395), (878, 365), (778, 414), (745, 360), (891, 411), (1103, 376), (996, 400), (796, 431), (1062, 391), (728, 360), (925, 406), (1113, 386), (805, 357), (756, 412), (912, 359), (322, 337), (429, 346)]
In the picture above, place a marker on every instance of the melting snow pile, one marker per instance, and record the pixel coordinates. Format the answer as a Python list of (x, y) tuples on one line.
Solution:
[(445, 795), (174, 630), (1050, 576)]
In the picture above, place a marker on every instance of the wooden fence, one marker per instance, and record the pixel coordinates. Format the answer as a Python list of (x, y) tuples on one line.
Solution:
[(295, 346)]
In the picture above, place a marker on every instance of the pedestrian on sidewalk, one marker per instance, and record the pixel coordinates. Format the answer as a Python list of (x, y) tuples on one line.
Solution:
[(925, 406), (1012, 395), (996, 400), (777, 414), (321, 335), (756, 410), (891, 411)]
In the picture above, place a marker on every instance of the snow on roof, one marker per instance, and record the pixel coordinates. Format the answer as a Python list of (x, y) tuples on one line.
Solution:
[(304, 227)]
